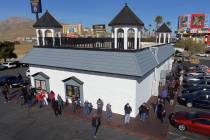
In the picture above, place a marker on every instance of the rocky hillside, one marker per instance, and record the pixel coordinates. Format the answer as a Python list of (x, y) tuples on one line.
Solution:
[(16, 27)]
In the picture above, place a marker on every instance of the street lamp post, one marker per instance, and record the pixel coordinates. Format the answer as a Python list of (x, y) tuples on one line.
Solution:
[(36, 7)]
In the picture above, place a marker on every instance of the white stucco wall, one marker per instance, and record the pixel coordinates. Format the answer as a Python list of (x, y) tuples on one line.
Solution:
[(116, 91), (143, 91)]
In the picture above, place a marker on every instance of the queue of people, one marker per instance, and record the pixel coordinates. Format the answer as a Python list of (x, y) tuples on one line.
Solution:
[(43, 99)]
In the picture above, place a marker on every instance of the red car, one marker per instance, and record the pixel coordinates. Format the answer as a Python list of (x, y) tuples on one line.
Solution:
[(198, 122)]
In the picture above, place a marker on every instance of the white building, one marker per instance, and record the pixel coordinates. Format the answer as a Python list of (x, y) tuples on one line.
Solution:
[(118, 76)]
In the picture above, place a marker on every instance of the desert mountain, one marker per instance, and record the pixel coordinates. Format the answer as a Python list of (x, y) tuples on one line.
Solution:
[(16, 27)]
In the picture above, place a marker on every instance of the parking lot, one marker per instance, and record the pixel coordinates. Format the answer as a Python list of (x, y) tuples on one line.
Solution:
[(174, 133)]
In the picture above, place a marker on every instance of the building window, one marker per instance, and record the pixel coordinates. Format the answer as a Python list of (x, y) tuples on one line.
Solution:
[(72, 90), (40, 84)]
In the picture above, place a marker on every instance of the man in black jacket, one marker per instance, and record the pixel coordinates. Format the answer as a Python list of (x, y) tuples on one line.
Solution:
[(128, 111)]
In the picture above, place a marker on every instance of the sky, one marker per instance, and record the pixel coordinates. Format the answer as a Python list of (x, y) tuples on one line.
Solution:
[(89, 12)]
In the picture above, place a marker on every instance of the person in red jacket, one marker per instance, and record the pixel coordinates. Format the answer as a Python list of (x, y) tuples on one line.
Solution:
[(40, 98)]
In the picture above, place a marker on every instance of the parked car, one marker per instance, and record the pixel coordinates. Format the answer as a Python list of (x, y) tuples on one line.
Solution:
[(198, 122), (2, 67), (195, 83), (195, 73), (195, 88), (202, 54), (28, 73), (195, 78), (12, 81), (24, 65), (9, 65), (199, 99)]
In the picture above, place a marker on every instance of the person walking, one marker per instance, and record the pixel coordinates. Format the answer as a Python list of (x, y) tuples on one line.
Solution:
[(160, 112), (55, 107), (94, 125), (108, 112), (127, 110), (5, 92), (20, 77), (100, 105), (98, 123), (24, 95)]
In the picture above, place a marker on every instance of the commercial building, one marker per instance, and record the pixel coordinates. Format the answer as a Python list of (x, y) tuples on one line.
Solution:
[(116, 70), (73, 30), (195, 26)]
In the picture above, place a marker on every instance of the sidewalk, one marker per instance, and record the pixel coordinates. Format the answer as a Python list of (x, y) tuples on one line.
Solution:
[(150, 129)]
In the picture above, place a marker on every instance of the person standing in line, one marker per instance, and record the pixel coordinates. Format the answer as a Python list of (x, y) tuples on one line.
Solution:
[(85, 111), (60, 104), (108, 112), (40, 99), (143, 112), (171, 95), (74, 104), (100, 105), (45, 96), (127, 110), (5, 91), (52, 96), (94, 125), (164, 95), (90, 108)]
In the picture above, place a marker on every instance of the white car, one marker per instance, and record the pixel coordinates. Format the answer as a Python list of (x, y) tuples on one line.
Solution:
[(9, 65), (202, 54), (28, 73)]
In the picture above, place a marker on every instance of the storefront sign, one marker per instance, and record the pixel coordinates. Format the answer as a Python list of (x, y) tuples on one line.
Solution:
[(36, 6)]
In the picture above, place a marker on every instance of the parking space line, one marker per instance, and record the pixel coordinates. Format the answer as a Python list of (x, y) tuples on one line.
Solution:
[(180, 136)]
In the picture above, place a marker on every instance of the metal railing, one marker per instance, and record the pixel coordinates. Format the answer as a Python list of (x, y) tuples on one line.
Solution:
[(106, 43)]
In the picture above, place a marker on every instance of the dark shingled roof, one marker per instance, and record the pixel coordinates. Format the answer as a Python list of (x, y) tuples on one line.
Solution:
[(126, 17), (121, 63), (47, 20), (163, 29)]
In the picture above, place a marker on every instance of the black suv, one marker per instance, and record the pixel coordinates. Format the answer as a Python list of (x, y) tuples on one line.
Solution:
[(12, 81), (199, 99)]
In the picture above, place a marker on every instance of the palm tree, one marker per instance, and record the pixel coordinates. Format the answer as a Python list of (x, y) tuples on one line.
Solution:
[(168, 23), (158, 21), (150, 27)]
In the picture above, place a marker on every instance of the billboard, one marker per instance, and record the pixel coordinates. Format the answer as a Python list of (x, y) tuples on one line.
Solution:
[(36, 6), (184, 22), (99, 27), (197, 21), (206, 24)]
